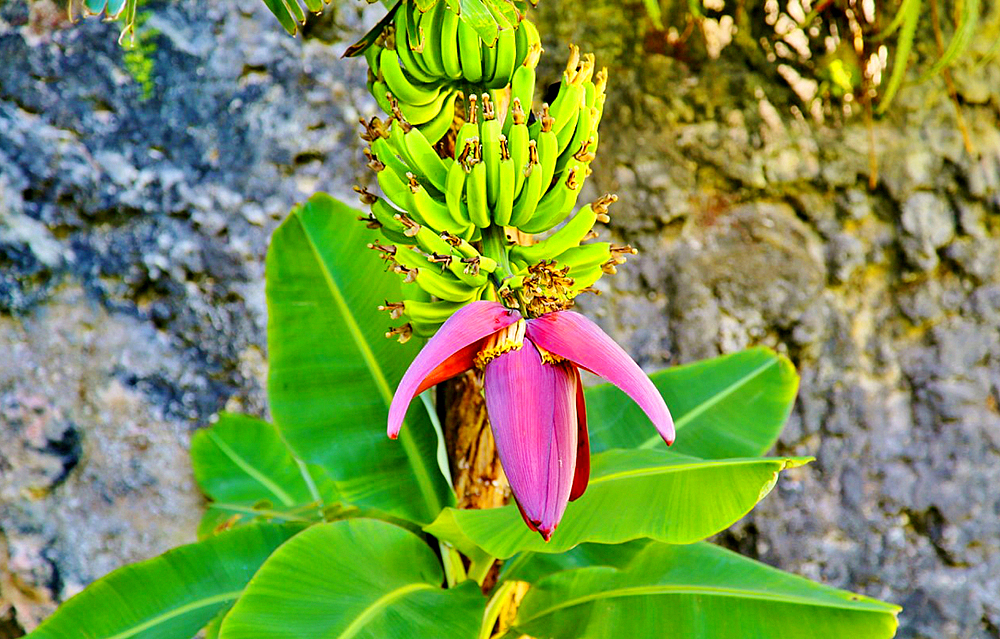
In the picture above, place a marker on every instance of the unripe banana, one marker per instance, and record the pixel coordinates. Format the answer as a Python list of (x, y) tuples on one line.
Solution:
[(522, 88), (422, 113), (428, 209), (405, 53), (449, 45), (585, 256), (402, 87), (395, 188), (548, 148), (429, 312), (439, 125), (380, 92), (504, 56), (424, 159), (584, 278), (557, 202), (455, 185), (475, 191), (469, 128), (527, 200), (489, 136), (570, 235), (526, 39), (408, 35), (506, 182), (417, 268), (385, 216), (584, 129), (470, 53), (517, 141), (430, 22)]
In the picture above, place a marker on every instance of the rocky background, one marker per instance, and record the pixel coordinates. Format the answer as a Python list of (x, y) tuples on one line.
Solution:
[(138, 190)]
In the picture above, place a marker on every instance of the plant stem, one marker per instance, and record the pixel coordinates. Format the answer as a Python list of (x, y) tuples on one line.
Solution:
[(493, 608)]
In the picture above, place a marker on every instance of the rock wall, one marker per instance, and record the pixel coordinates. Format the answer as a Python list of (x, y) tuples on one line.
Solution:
[(137, 194)]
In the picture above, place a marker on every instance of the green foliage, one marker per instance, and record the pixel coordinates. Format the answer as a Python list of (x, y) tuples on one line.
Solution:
[(332, 372), (357, 578), (138, 56), (244, 467), (654, 494), (730, 406), (172, 595), (697, 590), (327, 458)]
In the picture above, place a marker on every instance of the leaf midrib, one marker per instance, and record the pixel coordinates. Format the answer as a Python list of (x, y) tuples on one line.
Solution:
[(250, 470), (176, 612), (638, 591), (420, 471), (784, 463), (378, 605), (689, 416)]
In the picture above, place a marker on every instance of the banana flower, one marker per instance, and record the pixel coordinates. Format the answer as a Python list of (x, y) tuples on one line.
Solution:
[(533, 395)]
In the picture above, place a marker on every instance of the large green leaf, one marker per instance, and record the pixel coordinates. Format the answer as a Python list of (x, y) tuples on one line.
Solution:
[(730, 406), (696, 591), (172, 595), (632, 494), (533, 566), (333, 372), (354, 579), (247, 471)]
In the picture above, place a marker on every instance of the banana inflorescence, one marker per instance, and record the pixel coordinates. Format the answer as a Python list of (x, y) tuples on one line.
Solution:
[(471, 165)]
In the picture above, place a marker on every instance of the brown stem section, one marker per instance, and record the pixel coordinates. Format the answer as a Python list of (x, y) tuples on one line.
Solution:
[(475, 465)]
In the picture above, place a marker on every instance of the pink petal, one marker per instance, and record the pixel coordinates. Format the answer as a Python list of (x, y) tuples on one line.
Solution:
[(456, 364), (532, 409), (467, 326), (581, 476), (576, 338)]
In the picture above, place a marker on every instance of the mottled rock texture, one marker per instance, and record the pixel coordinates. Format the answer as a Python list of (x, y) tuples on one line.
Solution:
[(136, 202)]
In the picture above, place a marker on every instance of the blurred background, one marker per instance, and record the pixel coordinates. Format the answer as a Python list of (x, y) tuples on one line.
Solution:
[(771, 202)]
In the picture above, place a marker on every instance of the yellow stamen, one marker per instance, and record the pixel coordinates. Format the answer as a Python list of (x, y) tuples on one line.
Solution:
[(503, 341)]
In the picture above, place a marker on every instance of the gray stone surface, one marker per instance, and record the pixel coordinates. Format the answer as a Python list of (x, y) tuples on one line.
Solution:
[(132, 234)]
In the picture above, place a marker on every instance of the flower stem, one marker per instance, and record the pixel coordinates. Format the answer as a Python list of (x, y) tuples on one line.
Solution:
[(493, 608), (495, 248)]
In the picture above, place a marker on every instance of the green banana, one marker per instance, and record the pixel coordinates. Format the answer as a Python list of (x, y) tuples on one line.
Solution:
[(395, 188), (584, 278), (522, 88), (557, 202), (505, 184), (462, 246), (455, 186), (570, 235), (406, 55), (475, 191), (489, 136), (585, 256), (449, 45), (469, 128), (430, 312), (427, 208), (548, 148), (504, 54), (380, 92), (402, 87), (517, 141), (584, 129), (408, 36), (470, 53), (422, 113), (431, 22), (384, 215), (531, 191), (424, 159), (439, 125), (430, 277), (526, 39)]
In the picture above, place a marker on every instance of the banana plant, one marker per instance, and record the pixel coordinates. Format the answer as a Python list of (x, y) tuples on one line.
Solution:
[(320, 525)]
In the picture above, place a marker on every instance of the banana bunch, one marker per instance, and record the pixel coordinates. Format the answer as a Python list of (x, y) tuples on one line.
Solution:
[(423, 59), (463, 164)]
